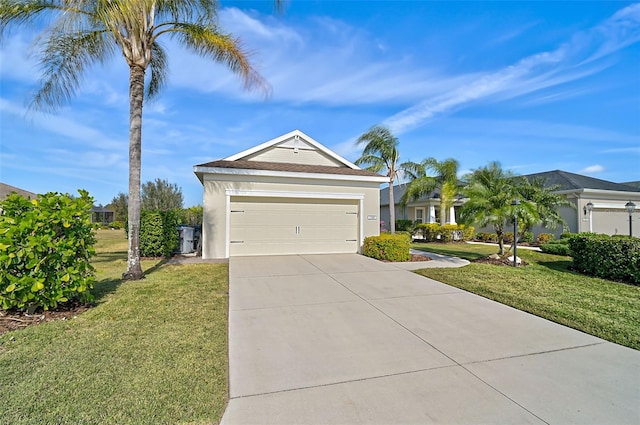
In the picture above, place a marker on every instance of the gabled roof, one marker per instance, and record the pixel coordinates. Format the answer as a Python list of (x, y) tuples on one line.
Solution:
[(286, 167), (398, 192), (570, 181), (293, 135), (634, 184), (6, 190)]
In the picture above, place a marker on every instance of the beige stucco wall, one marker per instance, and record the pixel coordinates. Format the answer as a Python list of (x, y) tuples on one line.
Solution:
[(214, 225)]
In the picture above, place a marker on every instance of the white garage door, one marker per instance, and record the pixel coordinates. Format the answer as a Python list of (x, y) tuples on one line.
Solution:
[(267, 226)]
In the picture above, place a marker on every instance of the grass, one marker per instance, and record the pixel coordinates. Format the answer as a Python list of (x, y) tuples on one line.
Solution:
[(152, 351), (547, 288)]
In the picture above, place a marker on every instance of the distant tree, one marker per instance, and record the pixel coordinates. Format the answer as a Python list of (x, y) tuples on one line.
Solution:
[(120, 206), (380, 155), (444, 177), (160, 195), (192, 215)]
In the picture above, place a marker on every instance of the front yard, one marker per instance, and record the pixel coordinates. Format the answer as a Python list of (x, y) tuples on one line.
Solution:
[(152, 351), (547, 288)]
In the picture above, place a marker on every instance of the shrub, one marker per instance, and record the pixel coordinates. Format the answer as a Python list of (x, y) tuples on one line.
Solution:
[(606, 257), (486, 237), (45, 248), (403, 225), (388, 247), (158, 233), (526, 237), (556, 249), (544, 238), (433, 232), (508, 237), (116, 225)]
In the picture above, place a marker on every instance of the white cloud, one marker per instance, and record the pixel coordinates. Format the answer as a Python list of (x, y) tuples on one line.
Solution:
[(571, 61), (592, 169)]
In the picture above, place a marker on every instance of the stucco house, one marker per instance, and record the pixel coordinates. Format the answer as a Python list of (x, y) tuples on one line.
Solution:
[(599, 204), (6, 190), (289, 195)]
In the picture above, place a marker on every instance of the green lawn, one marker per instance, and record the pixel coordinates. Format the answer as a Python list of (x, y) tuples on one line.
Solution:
[(547, 289), (150, 352)]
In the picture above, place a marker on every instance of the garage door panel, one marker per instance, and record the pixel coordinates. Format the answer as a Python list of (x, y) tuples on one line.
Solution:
[(291, 226)]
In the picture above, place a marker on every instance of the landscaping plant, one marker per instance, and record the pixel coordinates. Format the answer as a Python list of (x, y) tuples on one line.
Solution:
[(45, 248)]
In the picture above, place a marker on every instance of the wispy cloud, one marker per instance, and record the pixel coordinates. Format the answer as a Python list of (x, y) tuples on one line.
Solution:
[(569, 62), (593, 169)]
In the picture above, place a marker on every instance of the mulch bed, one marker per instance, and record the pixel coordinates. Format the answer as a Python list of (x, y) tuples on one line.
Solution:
[(502, 261), (12, 320)]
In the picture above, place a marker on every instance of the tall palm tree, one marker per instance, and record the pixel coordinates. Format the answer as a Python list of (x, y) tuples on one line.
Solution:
[(84, 32), (547, 204), (445, 177), (491, 191), (380, 154)]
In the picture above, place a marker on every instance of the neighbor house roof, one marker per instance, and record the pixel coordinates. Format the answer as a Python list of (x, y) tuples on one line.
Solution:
[(634, 184), (286, 167), (570, 181), (6, 190), (398, 192)]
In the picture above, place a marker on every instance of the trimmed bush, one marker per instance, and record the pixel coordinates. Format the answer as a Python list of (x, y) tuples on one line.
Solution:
[(434, 232), (508, 237), (556, 249), (388, 247), (606, 257), (403, 225), (526, 237), (158, 233), (45, 248), (544, 238), (486, 237)]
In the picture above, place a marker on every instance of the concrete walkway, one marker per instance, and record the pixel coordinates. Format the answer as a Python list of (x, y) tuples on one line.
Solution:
[(344, 339)]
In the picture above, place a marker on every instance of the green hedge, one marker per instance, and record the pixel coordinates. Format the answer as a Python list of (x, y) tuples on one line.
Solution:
[(556, 248), (606, 257), (45, 248), (158, 233), (388, 247), (434, 232), (404, 225)]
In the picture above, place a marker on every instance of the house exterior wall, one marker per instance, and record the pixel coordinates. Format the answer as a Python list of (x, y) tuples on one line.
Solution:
[(290, 155), (216, 202)]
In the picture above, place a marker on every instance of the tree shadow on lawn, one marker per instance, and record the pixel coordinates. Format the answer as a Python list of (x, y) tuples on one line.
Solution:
[(559, 266), (451, 252), (104, 287)]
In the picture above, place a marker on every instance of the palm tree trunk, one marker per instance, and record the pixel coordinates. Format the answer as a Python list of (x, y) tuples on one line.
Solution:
[(443, 212), (392, 209), (136, 97)]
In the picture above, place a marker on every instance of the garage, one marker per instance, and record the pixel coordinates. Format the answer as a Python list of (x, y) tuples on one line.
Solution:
[(267, 226), (287, 196)]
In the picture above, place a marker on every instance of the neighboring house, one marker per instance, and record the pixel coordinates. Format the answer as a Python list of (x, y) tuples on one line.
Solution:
[(102, 215), (424, 210), (6, 190), (290, 195), (608, 214)]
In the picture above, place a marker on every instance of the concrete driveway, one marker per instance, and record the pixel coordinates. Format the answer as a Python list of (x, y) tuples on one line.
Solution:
[(344, 339)]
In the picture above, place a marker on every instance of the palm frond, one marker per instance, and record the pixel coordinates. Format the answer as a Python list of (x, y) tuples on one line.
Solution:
[(158, 67)]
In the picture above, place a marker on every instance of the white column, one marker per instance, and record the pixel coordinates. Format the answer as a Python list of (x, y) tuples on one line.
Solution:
[(452, 215), (432, 214)]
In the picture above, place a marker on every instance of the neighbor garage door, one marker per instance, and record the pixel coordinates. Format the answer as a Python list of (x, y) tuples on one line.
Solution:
[(263, 226)]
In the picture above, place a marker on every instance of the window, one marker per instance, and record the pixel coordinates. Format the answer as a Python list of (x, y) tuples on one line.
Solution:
[(419, 215)]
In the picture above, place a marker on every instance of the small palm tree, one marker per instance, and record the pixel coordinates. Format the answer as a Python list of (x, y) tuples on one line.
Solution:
[(491, 191), (84, 32), (420, 183), (379, 155), (547, 204)]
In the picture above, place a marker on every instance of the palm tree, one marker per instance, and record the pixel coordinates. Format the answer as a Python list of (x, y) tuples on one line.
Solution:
[(547, 204), (420, 183), (491, 191), (380, 154), (84, 32)]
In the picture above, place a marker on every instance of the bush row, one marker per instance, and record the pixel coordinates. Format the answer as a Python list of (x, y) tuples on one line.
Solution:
[(434, 232), (607, 257), (158, 233), (45, 248), (388, 247)]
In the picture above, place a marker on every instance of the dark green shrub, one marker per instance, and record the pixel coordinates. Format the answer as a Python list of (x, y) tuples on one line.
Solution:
[(545, 238), (403, 225), (388, 247), (526, 237), (567, 235), (45, 248), (556, 249), (158, 233), (116, 225), (606, 257)]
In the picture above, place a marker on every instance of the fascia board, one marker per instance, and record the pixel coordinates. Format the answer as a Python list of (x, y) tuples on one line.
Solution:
[(289, 135), (269, 173)]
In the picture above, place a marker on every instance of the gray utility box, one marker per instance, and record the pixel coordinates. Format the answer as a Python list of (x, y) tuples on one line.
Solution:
[(186, 243)]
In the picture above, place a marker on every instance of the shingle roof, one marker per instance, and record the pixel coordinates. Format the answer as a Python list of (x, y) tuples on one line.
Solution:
[(294, 168), (571, 181), (634, 184), (6, 190)]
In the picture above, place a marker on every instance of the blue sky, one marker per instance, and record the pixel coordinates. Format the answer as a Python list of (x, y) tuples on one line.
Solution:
[(537, 86)]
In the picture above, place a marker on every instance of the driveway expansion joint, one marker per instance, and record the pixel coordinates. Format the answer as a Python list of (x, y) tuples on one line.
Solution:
[(537, 353)]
